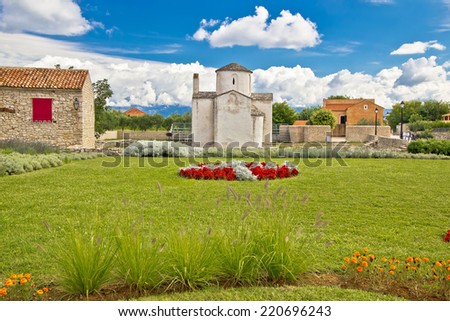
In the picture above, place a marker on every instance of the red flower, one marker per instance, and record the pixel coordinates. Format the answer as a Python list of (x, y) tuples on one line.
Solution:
[(447, 236)]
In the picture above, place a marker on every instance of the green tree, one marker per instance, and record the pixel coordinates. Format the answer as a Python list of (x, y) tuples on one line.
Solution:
[(282, 113), (103, 116), (433, 109), (306, 113), (339, 97), (323, 117)]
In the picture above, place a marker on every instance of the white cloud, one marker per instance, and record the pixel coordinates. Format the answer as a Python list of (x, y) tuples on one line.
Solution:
[(418, 47), (147, 83), (289, 31), (51, 17)]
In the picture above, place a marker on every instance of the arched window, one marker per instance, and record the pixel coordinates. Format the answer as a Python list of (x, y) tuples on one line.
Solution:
[(234, 81)]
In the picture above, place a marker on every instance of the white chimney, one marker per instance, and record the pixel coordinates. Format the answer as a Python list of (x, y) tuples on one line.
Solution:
[(196, 86)]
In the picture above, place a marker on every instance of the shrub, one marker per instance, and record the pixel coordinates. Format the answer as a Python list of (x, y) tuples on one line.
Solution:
[(430, 146), (323, 117), (24, 147)]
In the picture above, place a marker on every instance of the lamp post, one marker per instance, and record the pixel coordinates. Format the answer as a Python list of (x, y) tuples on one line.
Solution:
[(376, 120), (402, 105)]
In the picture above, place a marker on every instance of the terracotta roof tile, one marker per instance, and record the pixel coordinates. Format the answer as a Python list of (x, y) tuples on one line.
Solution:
[(134, 112), (42, 78)]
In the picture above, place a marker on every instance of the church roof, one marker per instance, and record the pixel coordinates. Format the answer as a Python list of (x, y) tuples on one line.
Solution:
[(233, 67)]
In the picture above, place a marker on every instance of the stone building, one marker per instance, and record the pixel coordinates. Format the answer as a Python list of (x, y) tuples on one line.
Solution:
[(232, 115), (53, 106), (354, 111)]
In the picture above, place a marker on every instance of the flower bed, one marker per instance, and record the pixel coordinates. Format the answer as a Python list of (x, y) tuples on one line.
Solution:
[(239, 170)]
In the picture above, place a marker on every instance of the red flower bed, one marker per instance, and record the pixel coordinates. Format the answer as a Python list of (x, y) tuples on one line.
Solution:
[(258, 171)]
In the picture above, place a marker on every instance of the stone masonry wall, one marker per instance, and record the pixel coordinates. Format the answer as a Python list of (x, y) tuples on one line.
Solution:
[(361, 133), (87, 114), (300, 134), (65, 130)]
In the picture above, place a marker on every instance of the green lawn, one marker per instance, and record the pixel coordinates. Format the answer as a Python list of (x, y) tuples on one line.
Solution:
[(395, 207)]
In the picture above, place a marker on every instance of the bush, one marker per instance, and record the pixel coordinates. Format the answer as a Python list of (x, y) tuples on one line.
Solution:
[(430, 146), (23, 147), (323, 117)]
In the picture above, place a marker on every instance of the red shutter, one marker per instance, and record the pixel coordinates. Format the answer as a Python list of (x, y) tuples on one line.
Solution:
[(42, 109)]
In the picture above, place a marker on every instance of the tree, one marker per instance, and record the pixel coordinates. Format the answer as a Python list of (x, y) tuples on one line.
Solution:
[(103, 116), (415, 109), (339, 97), (323, 117), (306, 113), (282, 113)]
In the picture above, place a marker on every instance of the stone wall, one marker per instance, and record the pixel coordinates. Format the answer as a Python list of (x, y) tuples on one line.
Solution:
[(87, 114), (142, 135), (387, 142), (362, 133), (441, 135), (299, 134), (67, 126)]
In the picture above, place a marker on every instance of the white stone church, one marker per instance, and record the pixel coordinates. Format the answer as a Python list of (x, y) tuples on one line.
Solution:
[(232, 115)]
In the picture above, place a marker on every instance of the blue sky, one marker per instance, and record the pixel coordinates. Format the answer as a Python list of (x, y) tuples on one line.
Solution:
[(301, 50)]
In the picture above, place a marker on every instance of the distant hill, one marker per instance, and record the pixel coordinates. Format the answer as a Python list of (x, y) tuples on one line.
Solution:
[(162, 110)]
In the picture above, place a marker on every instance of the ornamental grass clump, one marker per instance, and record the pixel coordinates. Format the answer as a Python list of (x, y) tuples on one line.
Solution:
[(191, 259), (21, 287), (139, 263), (85, 257)]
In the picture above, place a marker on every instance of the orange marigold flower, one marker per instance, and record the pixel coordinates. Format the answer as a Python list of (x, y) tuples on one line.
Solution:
[(371, 257), (40, 292), (13, 276), (383, 259), (3, 292), (364, 258), (19, 276), (413, 268), (8, 282), (448, 269), (380, 270), (346, 259), (354, 259), (23, 281), (393, 267), (397, 261), (359, 269), (45, 289), (365, 264), (426, 260), (417, 259), (391, 272), (344, 266), (356, 254), (409, 259), (27, 276), (365, 250), (448, 277), (438, 264)]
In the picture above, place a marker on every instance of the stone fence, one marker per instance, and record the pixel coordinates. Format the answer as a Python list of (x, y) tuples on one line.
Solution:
[(299, 134), (135, 135), (362, 133), (388, 142)]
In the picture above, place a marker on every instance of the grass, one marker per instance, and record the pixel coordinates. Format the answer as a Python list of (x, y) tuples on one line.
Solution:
[(395, 207)]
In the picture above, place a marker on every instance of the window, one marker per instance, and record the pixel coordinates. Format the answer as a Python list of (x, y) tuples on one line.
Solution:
[(366, 107), (42, 109)]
